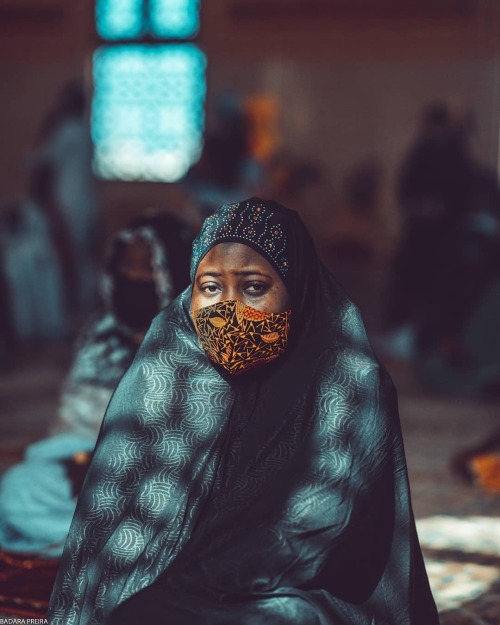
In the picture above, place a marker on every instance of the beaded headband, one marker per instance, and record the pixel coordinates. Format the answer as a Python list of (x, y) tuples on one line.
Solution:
[(252, 222)]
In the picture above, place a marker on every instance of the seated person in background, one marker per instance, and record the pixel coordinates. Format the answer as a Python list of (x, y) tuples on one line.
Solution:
[(146, 266), (480, 463)]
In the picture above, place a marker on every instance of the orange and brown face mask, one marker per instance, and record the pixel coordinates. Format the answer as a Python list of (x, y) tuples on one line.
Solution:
[(239, 337)]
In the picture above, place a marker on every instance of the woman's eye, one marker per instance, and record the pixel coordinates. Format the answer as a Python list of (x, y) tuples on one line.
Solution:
[(256, 288), (210, 289)]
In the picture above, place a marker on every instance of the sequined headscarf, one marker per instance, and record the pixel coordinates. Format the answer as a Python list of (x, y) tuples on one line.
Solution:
[(256, 223)]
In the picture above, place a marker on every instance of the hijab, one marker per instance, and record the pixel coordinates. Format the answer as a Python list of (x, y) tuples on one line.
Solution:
[(277, 496), (107, 344)]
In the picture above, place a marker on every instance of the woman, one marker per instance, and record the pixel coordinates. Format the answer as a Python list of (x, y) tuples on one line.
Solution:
[(145, 267), (250, 467)]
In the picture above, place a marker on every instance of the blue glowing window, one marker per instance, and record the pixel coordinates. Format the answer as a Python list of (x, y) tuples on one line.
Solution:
[(148, 110), (174, 18), (120, 19), (131, 19)]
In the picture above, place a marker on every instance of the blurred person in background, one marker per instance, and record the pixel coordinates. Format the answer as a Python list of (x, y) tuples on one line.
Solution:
[(454, 325), (146, 266), (480, 463), (456, 334), (432, 192), (448, 259), (37, 263), (65, 145), (226, 169)]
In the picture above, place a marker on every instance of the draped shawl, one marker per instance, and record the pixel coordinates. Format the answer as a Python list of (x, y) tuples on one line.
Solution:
[(280, 496), (106, 346)]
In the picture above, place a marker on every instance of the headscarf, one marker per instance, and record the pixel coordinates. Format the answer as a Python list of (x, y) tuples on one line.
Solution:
[(277, 496), (106, 346)]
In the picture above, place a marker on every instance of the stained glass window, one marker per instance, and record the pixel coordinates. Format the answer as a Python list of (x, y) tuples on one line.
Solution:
[(119, 19), (148, 110), (130, 19), (174, 18), (148, 103)]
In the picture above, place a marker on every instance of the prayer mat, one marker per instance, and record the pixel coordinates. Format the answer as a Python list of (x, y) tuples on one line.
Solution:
[(25, 584)]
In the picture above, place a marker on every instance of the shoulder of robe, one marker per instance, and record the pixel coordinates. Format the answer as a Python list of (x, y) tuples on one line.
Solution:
[(171, 352), (170, 329), (352, 381), (348, 364)]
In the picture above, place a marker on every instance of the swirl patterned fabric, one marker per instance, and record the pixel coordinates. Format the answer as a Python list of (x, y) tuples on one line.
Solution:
[(146, 511), (275, 497)]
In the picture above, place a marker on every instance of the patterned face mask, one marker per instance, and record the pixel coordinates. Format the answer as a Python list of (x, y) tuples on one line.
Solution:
[(239, 337)]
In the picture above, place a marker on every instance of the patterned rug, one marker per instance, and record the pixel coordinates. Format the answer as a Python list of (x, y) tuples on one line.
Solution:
[(25, 586), (462, 557)]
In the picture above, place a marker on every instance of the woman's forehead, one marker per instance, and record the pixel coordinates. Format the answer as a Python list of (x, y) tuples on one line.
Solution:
[(231, 256)]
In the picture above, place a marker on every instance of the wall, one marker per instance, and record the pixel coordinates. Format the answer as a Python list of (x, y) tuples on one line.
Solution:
[(350, 88), (41, 45)]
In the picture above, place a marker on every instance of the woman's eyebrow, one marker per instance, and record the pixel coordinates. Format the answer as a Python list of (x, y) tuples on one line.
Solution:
[(251, 272), (242, 272)]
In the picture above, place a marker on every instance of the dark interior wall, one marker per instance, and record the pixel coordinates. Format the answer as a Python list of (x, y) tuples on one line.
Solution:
[(349, 87), (42, 44), (343, 113)]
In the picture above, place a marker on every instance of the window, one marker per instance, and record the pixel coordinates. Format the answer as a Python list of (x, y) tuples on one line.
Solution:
[(149, 89)]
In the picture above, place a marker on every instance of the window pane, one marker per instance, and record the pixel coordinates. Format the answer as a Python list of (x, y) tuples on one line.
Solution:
[(148, 110), (174, 18), (119, 19)]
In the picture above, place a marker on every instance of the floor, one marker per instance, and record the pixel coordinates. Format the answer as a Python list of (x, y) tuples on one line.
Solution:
[(459, 525)]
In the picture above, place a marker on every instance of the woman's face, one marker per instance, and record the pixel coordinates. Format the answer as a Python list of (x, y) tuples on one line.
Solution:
[(233, 271), (134, 261)]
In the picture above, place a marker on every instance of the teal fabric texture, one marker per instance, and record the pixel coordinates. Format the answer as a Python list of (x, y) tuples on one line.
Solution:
[(279, 496)]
